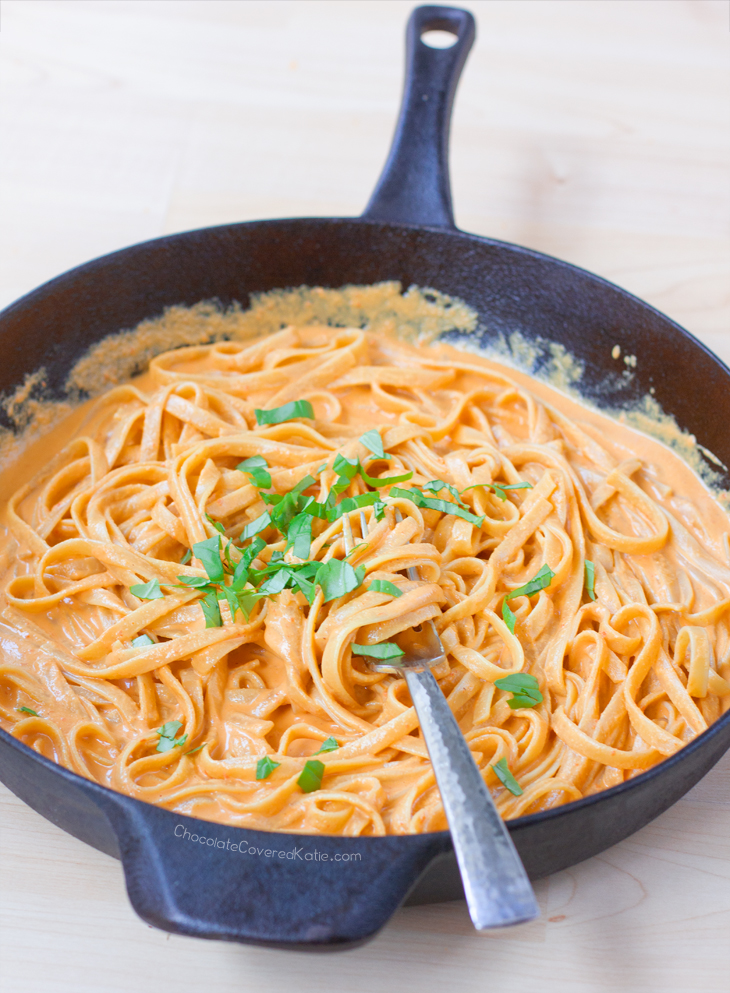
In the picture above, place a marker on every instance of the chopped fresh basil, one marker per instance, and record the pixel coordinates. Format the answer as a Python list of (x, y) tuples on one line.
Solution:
[(255, 526), (436, 485), (186, 557), (142, 641), (346, 470), (328, 745), (374, 443), (524, 687), (240, 576), (499, 488), (285, 509), (385, 586), (251, 552), (379, 510), (378, 482), (590, 579), (503, 774), (27, 710), (385, 650), (287, 412), (337, 578), (196, 749), (167, 734), (211, 610), (265, 766), (311, 776), (299, 536), (247, 600), (258, 469), (274, 584), (216, 524), (508, 615), (538, 582), (305, 586), (209, 553), (196, 581), (352, 503), (147, 591), (319, 510), (230, 595), (443, 506)]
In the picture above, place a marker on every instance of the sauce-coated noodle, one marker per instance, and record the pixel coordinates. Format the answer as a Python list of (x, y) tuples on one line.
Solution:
[(183, 717)]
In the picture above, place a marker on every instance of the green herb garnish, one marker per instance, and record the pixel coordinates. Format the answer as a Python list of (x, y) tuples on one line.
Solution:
[(508, 615), (311, 776), (351, 503), (265, 766), (590, 579), (142, 641), (167, 736), (27, 710), (274, 584), (346, 470), (374, 443), (299, 536), (247, 600), (385, 586), (502, 772), (499, 488), (194, 581), (443, 506), (216, 524), (385, 650), (328, 745), (337, 578), (285, 508), (186, 557), (258, 469), (147, 591), (196, 749), (209, 553), (524, 687), (211, 610), (287, 412), (255, 526), (538, 582), (436, 485), (378, 482)]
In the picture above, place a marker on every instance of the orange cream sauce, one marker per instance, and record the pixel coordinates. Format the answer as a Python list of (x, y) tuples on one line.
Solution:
[(670, 482)]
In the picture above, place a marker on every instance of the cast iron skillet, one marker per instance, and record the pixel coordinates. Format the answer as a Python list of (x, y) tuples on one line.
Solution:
[(197, 878)]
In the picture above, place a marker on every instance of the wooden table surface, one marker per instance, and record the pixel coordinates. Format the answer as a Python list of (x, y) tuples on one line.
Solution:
[(594, 130)]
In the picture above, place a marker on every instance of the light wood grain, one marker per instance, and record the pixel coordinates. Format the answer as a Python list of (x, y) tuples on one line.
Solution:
[(595, 131)]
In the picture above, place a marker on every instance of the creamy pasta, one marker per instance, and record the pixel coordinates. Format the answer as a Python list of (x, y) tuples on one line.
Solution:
[(181, 622)]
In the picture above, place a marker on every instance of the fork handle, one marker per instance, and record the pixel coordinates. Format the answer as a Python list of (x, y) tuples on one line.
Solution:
[(497, 889)]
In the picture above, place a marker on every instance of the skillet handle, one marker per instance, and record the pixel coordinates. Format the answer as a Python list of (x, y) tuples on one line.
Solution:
[(212, 880), (414, 186)]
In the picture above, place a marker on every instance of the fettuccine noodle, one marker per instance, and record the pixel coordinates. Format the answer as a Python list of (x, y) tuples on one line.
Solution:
[(117, 665)]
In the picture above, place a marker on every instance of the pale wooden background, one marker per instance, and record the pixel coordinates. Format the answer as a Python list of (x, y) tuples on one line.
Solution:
[(596, 130)]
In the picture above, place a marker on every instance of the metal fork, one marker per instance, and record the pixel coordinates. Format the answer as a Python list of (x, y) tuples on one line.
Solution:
[(496, 886)]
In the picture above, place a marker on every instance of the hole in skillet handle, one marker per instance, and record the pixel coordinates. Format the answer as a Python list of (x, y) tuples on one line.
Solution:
[(439, 39)]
